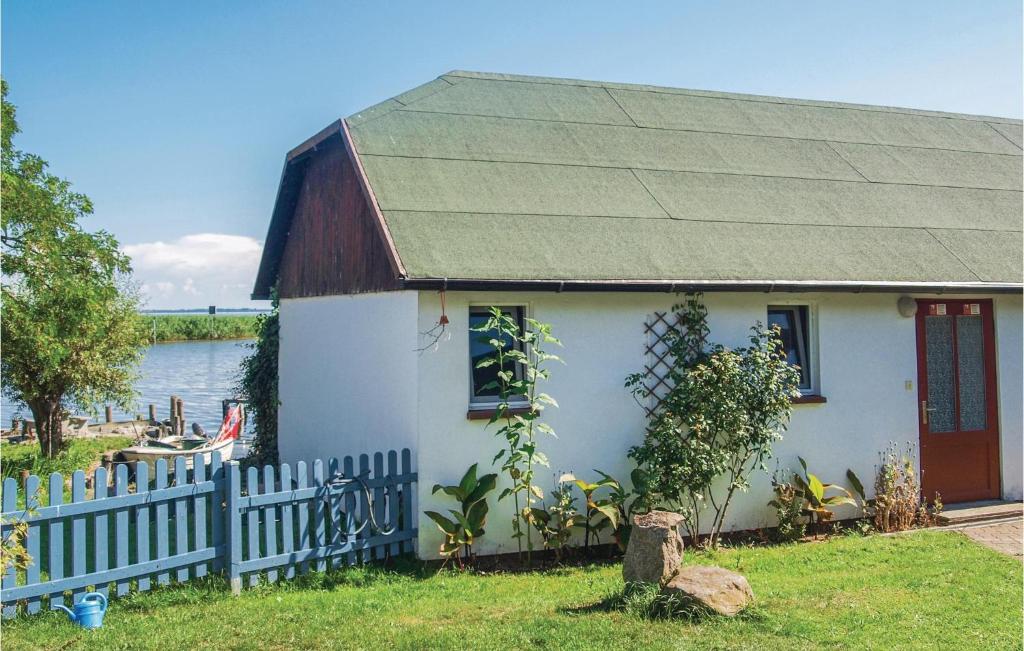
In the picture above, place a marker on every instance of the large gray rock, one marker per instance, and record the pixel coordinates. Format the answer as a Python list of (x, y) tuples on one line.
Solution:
[(655, 550), (724, 592)]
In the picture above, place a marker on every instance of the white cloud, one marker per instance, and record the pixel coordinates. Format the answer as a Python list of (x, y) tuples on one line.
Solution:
[(196, 270)]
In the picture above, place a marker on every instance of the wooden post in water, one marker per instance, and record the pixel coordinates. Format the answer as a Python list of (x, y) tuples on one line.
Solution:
[(174, 415), (108, 414), (152, 413), (181, 417)]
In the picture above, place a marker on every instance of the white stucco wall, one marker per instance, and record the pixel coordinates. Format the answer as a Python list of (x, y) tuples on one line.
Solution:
[(347, 375), (866, 358), (1009, 374)]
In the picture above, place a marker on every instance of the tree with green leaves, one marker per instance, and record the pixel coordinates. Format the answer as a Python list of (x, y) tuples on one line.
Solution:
[(716, 423), (71, 332)]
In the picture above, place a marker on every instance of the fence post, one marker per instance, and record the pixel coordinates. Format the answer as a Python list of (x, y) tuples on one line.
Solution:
[(233, 525)]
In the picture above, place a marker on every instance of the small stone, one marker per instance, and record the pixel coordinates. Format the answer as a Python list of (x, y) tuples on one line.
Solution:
[(724, 592), (655, 550)]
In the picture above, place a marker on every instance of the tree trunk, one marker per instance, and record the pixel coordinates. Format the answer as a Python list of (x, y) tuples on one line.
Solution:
[(49, 425)]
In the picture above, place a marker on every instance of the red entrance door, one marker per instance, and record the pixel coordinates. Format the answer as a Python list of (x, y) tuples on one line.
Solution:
[(957, 400)]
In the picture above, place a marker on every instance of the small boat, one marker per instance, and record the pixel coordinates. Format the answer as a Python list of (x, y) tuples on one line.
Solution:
[(172, 447)]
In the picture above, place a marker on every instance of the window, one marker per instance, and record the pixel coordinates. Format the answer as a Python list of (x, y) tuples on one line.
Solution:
[(478, 350), (794, 323)]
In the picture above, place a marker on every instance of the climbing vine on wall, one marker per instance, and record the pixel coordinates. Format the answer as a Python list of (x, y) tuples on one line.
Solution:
[(258, 385)]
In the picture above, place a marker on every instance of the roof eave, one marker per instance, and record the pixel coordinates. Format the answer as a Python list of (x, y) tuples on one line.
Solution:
[(678, 286)]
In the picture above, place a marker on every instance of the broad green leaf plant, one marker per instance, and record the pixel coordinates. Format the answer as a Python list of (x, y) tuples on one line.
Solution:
[(820, 498), (522, 359), (557, 523), (466, 525), (602, 513)]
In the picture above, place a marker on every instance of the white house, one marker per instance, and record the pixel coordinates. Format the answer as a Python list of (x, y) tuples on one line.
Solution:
[(887, 242)]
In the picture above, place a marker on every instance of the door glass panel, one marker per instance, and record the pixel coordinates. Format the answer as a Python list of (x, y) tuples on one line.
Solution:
[(970, 354), (938, 336)]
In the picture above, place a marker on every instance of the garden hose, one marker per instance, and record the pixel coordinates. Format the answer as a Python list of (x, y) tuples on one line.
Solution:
[(339, 479)]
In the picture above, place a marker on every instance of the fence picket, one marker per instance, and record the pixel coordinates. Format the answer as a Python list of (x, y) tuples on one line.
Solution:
[(121, 540), (215, 472), (407, 498), (336, 535), (199, 513), (270, 521), (364, 506), (181, 516), (301, 482), (287, 540), (252, 486), (100, 527), (350, 511), (78, 526), (319, 512), (10, 504), (142, 521), (392, 492), (162, 541), (32, 502), (233, 524), (378, 504), (56, 564)]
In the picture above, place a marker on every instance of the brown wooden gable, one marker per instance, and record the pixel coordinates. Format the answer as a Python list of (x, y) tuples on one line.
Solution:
[(333, 244)]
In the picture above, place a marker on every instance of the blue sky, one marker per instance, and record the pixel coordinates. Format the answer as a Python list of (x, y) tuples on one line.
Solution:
[(174, 117)]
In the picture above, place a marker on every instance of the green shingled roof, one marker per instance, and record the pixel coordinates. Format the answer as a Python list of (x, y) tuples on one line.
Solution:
[(621, 182)]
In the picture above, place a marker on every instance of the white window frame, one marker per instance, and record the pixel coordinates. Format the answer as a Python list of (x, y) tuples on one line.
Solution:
[(478, 403), (813, 386)]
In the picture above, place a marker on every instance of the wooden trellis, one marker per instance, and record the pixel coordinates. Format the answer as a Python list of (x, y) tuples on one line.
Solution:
[(659, 360), (658, 364)]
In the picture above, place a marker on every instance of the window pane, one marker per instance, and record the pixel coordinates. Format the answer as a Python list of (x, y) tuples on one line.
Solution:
[(480, 349), (792, 323), (970, 358), (938, 341)]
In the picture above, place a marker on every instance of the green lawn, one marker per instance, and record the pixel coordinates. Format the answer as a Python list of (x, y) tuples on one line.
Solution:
[(917, 591)]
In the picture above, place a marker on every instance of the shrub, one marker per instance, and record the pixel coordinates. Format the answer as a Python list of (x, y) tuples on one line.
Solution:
[(719, 418), (258, 385), (898, 504)]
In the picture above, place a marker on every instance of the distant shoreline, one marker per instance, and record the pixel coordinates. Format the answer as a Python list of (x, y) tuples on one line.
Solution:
[(168, 328)]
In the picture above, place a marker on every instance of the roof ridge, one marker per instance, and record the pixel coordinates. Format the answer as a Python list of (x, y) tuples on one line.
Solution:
[(770, 99)]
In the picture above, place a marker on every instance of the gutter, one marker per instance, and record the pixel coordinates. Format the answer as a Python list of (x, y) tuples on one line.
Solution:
[(682, 286)]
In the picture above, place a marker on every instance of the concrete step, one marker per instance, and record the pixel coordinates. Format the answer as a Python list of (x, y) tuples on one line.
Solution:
[(972, 512)]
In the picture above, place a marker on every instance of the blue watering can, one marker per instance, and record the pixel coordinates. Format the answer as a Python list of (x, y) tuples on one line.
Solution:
[(88, 612)]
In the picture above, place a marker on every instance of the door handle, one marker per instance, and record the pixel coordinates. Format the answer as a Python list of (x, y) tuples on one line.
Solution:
[(924, 411)]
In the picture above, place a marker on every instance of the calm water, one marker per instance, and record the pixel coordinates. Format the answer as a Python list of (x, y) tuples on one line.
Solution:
[(202, 373)]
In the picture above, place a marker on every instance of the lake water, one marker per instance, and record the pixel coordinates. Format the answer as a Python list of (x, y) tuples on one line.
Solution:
[(202, 373)]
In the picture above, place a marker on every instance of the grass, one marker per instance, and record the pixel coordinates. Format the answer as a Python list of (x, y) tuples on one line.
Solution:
[(79, 454), (170, 327), (915, 591)]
